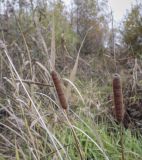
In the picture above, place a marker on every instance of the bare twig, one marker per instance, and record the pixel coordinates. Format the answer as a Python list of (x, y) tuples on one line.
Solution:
[(32, 82)]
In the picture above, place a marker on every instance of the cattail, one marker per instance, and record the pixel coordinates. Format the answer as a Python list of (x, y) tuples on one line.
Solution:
[(59, 90), (118, 98)]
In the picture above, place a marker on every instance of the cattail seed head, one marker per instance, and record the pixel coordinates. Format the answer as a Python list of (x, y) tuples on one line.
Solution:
[(118, 98), (59, 90)]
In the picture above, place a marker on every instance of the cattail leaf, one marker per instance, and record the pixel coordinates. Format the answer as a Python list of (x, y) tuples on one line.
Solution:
[(72, 77), (41, 40), (16, 151), (74, 70), (53, 48)]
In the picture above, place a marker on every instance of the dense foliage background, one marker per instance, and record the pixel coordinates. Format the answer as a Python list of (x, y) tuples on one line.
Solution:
[(84, 46)]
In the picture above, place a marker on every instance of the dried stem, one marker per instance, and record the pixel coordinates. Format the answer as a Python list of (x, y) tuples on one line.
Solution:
[(35, 83)]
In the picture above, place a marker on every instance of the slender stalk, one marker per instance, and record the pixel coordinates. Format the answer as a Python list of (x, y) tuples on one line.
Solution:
[(32, 82), (25, 42), (122, 141)]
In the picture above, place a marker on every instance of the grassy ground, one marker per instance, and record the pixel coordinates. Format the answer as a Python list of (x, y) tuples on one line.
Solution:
[(36, 127), (96, 141)]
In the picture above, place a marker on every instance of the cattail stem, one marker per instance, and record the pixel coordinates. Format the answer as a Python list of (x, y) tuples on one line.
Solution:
[(119, 108), (59, 90), (122, 141), (78, 146)]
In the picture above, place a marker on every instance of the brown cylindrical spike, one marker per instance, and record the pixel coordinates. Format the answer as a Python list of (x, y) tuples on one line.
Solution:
[(118, 98), (59, 90)]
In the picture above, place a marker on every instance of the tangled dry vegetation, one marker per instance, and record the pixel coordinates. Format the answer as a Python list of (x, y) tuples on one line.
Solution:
[(34, 126)]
